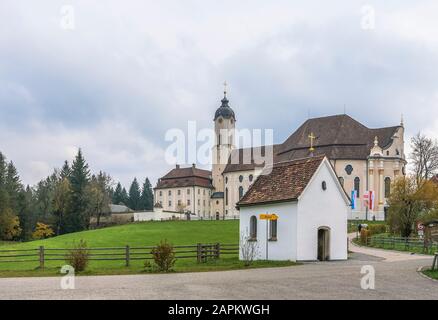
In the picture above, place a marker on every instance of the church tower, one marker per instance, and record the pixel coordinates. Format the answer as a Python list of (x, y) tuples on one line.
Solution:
[(224, 128)]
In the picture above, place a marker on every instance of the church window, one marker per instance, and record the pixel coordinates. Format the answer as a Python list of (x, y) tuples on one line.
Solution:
[(357, 186), (199, 191), (179, 192), (240, 178), (253, 228), (170, 192), (324, 185), (341, 181), (179, 202), (226, 179), (387, 153), (199, 202), (387, 187), (203, 192), (161, 193), (219, 139), (273, 230), (397, 152), (251, 177), (226, 196), (240, 192), (349, 169), (188, 191), (170, 204), (203, 201), (188, 202), (217, 201)]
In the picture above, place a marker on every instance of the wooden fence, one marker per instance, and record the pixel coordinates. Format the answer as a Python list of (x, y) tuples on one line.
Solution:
[(201, 252), (402, 243)]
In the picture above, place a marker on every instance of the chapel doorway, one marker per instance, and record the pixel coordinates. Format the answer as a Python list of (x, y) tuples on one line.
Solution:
[(323, 244), (217, 216)]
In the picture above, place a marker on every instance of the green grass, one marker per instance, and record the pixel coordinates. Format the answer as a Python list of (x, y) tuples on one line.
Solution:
[(135, 235), (431, 274)]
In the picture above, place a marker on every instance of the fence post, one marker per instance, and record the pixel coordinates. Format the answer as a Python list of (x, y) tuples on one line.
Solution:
[(127, 256), (41, 254), (198, 252), (218, 250)]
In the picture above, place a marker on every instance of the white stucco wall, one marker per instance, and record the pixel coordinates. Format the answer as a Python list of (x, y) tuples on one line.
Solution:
[(298, 222), (285, 247), (318, 208)]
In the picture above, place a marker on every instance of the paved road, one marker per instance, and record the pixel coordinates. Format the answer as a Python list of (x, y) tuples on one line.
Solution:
[(396, 278)]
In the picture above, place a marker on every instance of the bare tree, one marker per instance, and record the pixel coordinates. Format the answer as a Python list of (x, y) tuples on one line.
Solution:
[(424, 157), (249, 249)]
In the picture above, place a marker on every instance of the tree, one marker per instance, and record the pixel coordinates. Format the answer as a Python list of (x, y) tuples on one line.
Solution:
[(99, 198), (79, 178), (424, 157), (4, 197), (117, 197), (408, 202), (42, 231), (65, 171), (13, 186), (134, 195), (61, 203), (9, 225), (125, 197), (147, 196)]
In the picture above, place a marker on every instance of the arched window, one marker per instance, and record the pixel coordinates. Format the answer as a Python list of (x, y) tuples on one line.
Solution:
[(226, 196), (357, 186), (387, 187), (341, 181), (240, 178), (251, 177), (273, 230), (240, 192), (253, 228)]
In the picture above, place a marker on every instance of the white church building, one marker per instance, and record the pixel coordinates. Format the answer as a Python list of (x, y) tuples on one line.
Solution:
[(311, 208)]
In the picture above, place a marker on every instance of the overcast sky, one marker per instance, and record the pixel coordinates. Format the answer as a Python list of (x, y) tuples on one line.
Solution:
[(112, 77)]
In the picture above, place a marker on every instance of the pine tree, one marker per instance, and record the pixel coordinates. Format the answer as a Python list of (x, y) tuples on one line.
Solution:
[(65, 171), (147, 196), (4, 199), (13, 186), (79, 178), (125, 197), (134, 195), (118, 195)]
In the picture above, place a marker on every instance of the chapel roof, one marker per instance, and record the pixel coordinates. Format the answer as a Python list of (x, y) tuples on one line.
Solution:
[(285, 182)]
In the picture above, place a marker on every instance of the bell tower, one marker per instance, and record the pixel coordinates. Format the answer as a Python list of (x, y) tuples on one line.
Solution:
[(224, 128)]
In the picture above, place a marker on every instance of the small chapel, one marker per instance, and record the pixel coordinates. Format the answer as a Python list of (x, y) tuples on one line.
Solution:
[(365, 161)]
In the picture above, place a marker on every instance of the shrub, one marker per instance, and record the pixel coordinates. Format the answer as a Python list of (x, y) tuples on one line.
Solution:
[(42, 231), (377, 229), (164, 256), (78, 257)]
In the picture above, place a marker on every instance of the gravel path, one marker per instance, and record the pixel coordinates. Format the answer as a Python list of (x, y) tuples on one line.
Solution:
[(396, 278)]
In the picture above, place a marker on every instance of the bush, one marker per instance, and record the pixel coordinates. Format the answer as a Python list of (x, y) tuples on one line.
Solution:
[(78, 257), (42, 231), (377, 229), (164, 256)]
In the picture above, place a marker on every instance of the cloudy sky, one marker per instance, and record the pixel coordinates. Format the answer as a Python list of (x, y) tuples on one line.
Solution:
[(112, 77)]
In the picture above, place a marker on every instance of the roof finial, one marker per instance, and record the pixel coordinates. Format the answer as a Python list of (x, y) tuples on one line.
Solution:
[(225, 89), (401, 120), (376, 141)]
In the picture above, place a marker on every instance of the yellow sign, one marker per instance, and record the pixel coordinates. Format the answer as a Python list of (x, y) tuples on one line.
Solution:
[(266, 216)]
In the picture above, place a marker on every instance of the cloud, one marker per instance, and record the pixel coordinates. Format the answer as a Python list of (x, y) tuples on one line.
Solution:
[(128, 72)]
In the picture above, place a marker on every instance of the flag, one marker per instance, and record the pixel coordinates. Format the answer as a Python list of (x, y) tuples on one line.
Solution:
[(353, 199)]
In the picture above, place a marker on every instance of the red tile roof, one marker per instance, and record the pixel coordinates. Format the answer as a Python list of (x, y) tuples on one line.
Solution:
[(285, 182), (185, 177)]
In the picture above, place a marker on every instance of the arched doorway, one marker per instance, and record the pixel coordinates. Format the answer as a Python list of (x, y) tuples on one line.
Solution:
[(323, 243), (217, 216)]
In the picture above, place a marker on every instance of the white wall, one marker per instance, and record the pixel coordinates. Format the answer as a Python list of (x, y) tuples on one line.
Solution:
[(319, 208), (153, 215), (285, 246)]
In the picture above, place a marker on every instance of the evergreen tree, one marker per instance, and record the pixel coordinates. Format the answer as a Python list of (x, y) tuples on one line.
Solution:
[(13, 186), (79, 178), (65, 171), (4, 199), (125, 197), (147, 196), (134, 195), (117, 197)]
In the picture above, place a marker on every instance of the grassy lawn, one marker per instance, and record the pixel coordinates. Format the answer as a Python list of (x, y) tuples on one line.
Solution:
[(432, 274), (138, 234)]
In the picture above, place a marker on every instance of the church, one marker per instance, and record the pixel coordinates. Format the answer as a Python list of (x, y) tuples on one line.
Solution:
[(365, 160)]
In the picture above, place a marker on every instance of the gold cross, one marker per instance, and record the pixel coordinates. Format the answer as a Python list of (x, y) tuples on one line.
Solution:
[(225, 88), (311, 137)]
